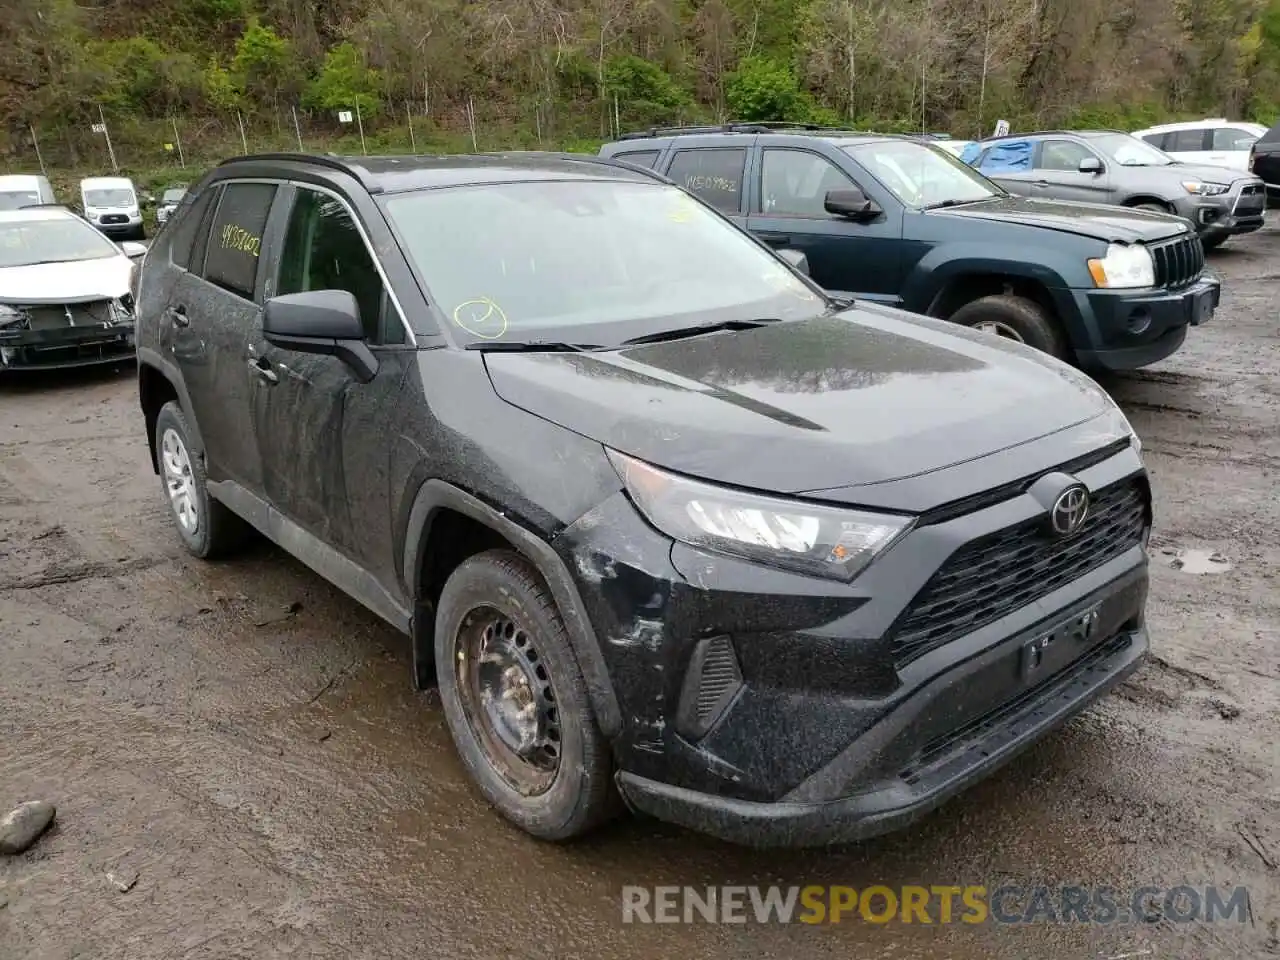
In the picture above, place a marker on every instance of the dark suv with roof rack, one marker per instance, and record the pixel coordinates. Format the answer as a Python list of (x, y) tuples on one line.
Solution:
[(663, 520), (894, 220)]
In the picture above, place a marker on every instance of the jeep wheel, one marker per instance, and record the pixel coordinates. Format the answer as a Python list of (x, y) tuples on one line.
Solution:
[(516, 701), (207, 528), (1014, 318)]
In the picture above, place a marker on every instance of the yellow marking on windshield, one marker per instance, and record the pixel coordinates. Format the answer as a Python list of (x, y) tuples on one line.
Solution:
[(474, 315)]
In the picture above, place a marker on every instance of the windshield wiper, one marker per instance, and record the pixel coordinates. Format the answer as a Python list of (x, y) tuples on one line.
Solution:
[(955, 203), (530, 346), (699, 329)]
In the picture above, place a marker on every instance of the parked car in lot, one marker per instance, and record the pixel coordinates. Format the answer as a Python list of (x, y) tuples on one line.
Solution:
[(64, 292), (111, 204), (18, 190), (889, 219), (667, 522), (1264, 162), (1103, 166), (1217, 143), (169, 201)]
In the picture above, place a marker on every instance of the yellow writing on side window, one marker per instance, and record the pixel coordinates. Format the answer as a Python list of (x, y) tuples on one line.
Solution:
[(481, 317), (238, 238)]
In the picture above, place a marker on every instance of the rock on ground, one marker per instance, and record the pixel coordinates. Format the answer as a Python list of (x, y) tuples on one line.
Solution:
[(22, 827)]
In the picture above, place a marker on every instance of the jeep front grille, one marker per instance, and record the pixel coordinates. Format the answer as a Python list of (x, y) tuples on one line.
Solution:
[(1179, 262)]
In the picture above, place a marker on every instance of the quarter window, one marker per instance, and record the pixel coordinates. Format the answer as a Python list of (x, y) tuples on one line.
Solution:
[(188, 226), (1156, 140), (235, 241), (795, 183), (641, 158), (323, 250), (714, 175)]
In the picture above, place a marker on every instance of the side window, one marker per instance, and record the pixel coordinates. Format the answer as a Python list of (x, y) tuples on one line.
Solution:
[(1156, 140), (1186, 141), (236, 237), (323, 250), (190, 222), (1061, 155), (794, 183), (641, 158), (1232, 138), (714, 175)]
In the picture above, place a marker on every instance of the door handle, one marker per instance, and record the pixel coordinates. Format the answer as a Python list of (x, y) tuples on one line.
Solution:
[(262, 367), (179, 316), (773, 239), (1041, 183)]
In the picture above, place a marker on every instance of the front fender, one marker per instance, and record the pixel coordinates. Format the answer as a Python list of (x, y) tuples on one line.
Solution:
[(1049, 267), (435, 495)]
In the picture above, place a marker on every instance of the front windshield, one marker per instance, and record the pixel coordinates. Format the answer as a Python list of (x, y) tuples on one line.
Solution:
[(1130, 151), (110, 197), (922, 176), (598, 261), (16, 200), (29, 242)]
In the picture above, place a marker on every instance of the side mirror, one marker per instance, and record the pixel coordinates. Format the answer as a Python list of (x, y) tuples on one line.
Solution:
[(796, 258), (320, 321), (852, 204), (133, 250), (1091, 165)]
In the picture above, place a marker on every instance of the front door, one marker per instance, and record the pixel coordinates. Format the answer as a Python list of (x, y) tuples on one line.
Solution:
[(862, 259), (213, 309), (322, 431), (1057, 174)]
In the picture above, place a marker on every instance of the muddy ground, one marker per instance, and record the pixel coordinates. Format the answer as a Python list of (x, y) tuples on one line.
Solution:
[(278, 790)]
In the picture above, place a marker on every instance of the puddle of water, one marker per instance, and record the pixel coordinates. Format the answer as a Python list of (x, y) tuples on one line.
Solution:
[(1197, 561)]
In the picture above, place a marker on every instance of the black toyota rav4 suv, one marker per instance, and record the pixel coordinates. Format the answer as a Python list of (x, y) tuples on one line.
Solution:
[(665, 523)]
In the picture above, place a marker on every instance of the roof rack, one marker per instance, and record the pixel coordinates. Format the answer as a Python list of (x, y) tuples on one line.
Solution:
[(730, 126), (587, 158), (330, 160), (1054, 133)]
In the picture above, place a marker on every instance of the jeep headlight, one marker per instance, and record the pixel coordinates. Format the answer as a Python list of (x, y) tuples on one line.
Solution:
[(1202, 189), (833, 542), (1125, 265)]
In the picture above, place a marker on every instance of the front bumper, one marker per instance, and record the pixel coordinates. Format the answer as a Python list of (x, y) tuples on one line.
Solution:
[(131, 226), (1133, 328), (64, 347), (1228, 215), (772, 708)]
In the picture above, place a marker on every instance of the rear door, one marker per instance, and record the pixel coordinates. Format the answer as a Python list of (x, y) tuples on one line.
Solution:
[(1057, 176), (1009, 163), (715, 174), (1190, 144), (790, 185), (213, 308)]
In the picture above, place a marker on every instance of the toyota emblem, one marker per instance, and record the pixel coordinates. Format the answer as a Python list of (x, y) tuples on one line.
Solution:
[(1070, 510)]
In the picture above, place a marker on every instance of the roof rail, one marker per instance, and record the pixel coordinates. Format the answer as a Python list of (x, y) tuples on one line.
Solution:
[(731, 126), (1055, 133), (44, 206), (587, 158), (330, 160)]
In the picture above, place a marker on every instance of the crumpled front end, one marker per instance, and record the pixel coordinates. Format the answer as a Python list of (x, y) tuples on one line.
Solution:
[(66, 334)]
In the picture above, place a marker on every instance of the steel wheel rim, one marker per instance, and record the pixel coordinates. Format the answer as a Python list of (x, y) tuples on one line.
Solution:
[(508, 699), (999, 329), (178, 481)]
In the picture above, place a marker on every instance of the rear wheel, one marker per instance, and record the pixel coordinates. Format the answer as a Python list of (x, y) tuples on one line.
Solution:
[(207, 528), (1212, 243), (1014, 318), (516, 701)]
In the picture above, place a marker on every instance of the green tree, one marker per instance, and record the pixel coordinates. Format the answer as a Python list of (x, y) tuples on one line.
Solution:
[(264, 63), (344, 82), (764, 89), (221, 88)]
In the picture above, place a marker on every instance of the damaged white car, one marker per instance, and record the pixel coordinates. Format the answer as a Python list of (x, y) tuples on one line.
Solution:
[(65, 297)]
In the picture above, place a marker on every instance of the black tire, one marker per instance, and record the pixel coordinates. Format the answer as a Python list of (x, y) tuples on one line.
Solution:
[(580, 793), (140, 233), (1212, 243), (218, 531), (1033, 324)]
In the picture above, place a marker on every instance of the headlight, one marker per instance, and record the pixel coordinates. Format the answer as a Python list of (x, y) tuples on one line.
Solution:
[(11, 317), (831, 542), (1200, 188), (1125, 265)]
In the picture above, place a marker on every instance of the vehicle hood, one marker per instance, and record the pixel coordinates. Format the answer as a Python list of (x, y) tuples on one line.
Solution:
[(1113, 224), (66, 282), (867, 396), (1178, 172)]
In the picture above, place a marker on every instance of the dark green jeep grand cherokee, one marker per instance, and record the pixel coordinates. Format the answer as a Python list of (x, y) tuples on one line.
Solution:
[(894, 220)]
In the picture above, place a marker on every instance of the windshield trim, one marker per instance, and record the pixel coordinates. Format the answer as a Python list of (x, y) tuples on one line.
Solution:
[(551, 332)]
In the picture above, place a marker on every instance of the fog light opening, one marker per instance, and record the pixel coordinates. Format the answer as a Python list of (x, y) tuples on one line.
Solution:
[(1139, 321)]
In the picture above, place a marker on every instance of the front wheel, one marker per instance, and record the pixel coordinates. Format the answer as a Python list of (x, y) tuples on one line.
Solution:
[(516, 701), (1014, 318)]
